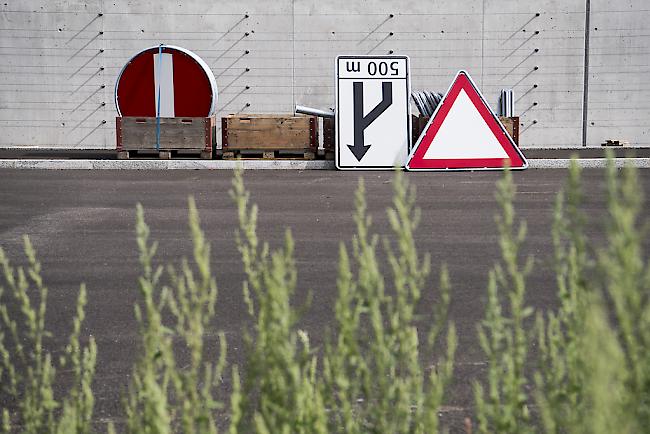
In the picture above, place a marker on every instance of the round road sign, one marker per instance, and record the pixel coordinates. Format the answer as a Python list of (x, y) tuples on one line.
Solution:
[(166, 81)]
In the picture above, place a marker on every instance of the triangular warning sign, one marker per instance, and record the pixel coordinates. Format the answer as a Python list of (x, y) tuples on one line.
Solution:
[(464, 134)]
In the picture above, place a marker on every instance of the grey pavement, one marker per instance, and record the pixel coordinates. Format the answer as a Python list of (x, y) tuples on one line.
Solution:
[(82, 225)]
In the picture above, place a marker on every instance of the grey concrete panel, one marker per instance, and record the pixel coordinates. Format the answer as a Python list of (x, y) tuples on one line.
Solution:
[(536, 48), (619, 88), (267, 56), (51, 80)]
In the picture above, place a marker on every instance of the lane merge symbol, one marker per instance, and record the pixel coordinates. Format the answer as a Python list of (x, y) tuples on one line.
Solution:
[(373, 119), (362, 122)]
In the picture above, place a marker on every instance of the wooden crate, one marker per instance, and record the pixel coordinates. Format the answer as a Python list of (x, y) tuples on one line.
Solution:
[(176, 134), (512, 127), (329, 139), (268, 134), (419, 123)]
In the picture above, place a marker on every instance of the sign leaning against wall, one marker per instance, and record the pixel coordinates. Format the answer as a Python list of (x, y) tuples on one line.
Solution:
[(373, 119)]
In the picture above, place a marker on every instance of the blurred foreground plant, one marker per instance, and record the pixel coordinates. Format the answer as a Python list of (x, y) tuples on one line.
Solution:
[(592, 363), (560, 380), (374, 380), (504, 408), (626, 277), (280, 392), (27, 370), (167, 395)]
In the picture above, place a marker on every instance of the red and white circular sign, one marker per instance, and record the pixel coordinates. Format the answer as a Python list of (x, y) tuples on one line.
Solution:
[(166, 81)]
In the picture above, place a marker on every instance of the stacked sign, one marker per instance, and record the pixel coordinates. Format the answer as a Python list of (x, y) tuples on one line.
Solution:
[(373, 122)]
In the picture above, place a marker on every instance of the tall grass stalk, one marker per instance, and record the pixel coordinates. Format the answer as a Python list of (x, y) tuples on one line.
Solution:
[(77, 413), (27, 369), (603, 401), (147, 406), (560, 380), (280, 392), (374, 381), (594, 358), (167, 395), (504, 407), (379, 372), (626, 274)]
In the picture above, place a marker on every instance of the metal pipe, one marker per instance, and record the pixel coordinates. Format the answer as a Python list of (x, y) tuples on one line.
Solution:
[(314, 112), (506, 106)]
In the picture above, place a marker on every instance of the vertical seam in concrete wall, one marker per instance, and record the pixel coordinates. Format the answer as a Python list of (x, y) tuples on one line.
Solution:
[(482, 40), (293, 54), (585, 84), (108, 107)]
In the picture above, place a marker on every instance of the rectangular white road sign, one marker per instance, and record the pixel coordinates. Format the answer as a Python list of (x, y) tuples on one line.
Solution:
[(373, 116)]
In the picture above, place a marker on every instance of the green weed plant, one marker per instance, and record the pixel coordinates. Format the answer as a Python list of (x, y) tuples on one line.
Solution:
[(380, 370), (28, 369), (374, 381)]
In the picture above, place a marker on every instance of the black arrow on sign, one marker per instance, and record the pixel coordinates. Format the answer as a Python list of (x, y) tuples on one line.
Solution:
[(362, 122)]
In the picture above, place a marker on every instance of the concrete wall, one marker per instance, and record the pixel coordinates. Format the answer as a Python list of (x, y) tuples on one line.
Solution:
[(619, 71), (61, 58)]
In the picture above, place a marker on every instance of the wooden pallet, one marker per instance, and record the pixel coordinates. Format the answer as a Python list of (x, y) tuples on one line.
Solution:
[(306, 154), (167, 154)]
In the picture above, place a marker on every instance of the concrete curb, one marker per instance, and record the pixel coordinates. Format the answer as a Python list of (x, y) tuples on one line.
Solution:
[(162, 164), (541, 163), (587, 163)]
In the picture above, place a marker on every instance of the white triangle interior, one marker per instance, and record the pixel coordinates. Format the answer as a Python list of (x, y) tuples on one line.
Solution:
[(464, 134)]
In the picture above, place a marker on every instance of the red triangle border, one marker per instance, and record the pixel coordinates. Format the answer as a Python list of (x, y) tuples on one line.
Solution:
[(463, 81)]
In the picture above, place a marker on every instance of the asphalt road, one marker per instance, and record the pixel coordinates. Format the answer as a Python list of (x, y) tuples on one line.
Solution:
[(82, 225)]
